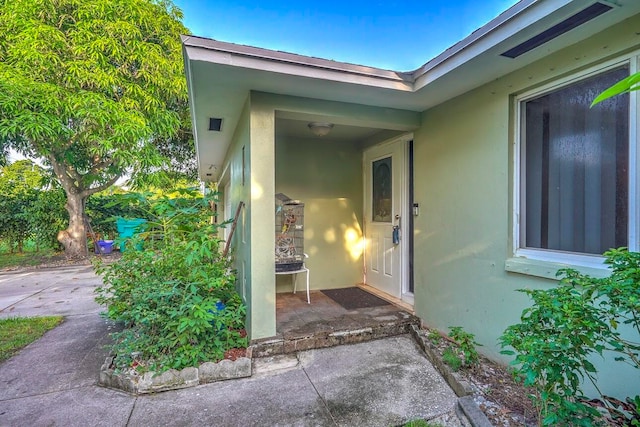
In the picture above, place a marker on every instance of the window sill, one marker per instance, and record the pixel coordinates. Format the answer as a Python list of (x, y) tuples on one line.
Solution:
[(548, 269)]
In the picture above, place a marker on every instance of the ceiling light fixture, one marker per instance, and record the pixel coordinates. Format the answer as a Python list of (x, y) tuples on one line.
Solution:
[(320, 128)]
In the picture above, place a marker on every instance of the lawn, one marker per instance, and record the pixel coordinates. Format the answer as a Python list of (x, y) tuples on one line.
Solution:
[(18, 332), (25, 259)]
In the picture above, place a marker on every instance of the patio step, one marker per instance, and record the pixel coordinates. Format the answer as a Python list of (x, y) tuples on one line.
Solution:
[(338, 331)]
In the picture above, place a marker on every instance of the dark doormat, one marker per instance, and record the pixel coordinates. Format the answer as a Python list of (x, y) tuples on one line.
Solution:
[(353, 298)]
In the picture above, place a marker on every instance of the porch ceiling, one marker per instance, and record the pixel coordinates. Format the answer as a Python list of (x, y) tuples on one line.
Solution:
[(342, 133), (221, 75)]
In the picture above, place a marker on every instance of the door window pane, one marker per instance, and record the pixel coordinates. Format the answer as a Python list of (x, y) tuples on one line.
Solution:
[(575, 168), (382, 190)]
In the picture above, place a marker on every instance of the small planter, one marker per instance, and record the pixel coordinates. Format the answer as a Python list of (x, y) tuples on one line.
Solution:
[(150, 382)]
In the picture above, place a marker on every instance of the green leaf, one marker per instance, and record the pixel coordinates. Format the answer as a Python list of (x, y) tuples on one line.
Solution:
[(626, 85)]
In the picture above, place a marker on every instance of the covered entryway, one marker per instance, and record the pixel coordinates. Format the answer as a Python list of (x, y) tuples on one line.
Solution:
[(326, 173), (253, 139)]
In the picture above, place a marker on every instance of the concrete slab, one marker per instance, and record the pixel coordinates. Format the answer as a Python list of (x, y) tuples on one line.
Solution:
[(66, 357), (65, 292), (288, 399), (274, 364), (378, 383), (79, 407)]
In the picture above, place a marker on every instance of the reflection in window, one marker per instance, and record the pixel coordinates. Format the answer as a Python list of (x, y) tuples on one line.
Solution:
[(574, 167), (382, 194)]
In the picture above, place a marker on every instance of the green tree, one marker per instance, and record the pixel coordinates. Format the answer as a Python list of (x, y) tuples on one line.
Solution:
[(88, 86), (20, 183), (20, 177)]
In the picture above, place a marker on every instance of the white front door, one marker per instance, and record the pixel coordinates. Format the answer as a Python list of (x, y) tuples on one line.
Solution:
[(385, 179)]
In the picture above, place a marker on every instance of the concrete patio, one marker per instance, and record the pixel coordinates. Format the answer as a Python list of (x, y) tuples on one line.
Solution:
[(53, 381)]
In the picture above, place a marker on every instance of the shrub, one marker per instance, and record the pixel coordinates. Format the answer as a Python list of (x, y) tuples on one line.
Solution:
[(14, 219), (565, 327), (434, 336), (466, 343), (176, 294), (103, 209), (47, 216)]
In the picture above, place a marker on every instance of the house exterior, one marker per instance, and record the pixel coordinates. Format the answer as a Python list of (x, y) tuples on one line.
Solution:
[(486, 159)]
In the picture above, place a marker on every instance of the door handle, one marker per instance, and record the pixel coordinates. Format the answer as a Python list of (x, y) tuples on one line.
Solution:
[(396, 234), (396, 230)]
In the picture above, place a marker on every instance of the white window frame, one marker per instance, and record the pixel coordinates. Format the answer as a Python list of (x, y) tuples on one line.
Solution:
[(571, 258)]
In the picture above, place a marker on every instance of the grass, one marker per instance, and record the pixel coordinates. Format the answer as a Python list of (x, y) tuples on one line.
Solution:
[(18, 332), (420, 423), (26, 259), (450, 357)]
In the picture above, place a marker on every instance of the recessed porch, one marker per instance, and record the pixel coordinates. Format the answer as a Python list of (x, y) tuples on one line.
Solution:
[(325, 323)]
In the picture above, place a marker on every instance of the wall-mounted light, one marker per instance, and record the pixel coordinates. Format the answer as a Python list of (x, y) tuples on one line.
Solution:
[(320, 128)]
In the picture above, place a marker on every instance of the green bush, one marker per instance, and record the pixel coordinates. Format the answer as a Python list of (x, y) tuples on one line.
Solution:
[(176, 295), (14, 219), (565, 327), (47, 216), (466, 343), (103, 209)]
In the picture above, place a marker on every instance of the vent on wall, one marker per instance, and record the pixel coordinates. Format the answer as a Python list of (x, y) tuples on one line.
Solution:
[(215, 124), (585, 15)]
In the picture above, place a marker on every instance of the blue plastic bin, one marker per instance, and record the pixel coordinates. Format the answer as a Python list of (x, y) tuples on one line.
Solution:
[(105, 246), (127, 228)]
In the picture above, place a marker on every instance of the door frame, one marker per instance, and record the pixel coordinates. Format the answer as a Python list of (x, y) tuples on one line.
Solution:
[(406, 223)]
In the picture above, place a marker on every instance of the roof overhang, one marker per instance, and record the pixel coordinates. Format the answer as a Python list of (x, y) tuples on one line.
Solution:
[(221, 75)]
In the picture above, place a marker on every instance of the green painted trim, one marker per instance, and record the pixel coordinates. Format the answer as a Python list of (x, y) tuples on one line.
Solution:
[(548, 269)]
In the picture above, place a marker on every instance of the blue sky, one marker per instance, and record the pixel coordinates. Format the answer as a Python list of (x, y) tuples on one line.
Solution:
[(396, 35)]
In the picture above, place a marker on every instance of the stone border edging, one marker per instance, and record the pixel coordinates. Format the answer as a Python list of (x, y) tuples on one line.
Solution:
[(461, 387), (149, 382), (476, 417)]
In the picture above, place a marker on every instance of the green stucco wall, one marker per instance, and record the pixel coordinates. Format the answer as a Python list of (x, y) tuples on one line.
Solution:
[(242, 188), (253, 184), (463, 181), (327, 176)]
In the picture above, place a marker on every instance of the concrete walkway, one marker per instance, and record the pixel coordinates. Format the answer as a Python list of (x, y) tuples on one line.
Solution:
[(53, 381)]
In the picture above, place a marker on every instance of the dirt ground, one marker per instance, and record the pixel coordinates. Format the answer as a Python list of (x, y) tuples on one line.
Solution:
[(504, 401)]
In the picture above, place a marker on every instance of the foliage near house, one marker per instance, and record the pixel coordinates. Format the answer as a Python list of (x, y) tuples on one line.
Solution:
[(567, 325), (89, 87), (176, 293), (629, 84), (32, 210)]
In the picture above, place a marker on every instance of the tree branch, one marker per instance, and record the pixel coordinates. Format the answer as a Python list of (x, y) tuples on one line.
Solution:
[(109, 183), (100, 165), (61, 173)]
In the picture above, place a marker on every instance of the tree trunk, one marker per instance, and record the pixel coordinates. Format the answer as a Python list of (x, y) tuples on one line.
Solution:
[(74, 238)]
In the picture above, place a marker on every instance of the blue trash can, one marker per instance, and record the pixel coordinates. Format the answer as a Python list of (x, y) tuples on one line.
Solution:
[(105, 246), (127, 228)]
